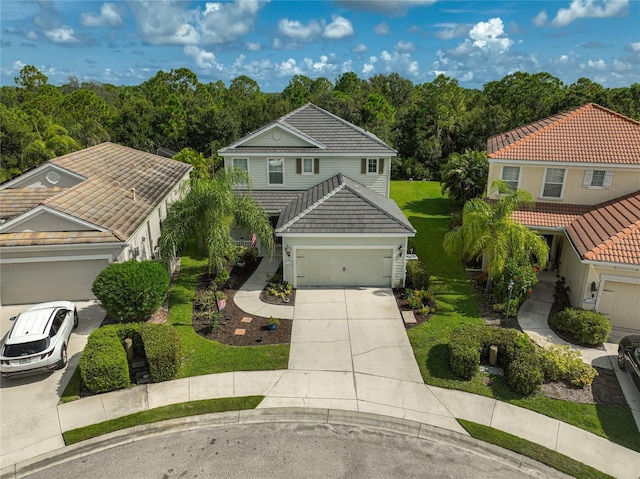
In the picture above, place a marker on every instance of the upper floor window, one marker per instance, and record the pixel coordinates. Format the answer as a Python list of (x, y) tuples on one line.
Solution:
[(553, 183), (307, 166), (511, 175), (597, 178), (372, 165), (241, 163), (276, 171)]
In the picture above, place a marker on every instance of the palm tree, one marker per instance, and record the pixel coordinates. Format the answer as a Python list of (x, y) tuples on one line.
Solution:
[(464, 176), (208, 211), (488, 232)]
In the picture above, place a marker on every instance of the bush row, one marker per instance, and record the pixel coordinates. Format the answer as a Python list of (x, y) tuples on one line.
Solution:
[(104, 366), (526, 367), (587, 327)]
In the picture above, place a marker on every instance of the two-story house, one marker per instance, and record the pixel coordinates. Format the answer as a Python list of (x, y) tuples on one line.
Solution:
[(583, 167), (325, 184), (66, 220)]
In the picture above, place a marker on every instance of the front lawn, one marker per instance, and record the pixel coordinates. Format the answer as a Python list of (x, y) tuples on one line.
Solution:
[(429, 212), (203, 356)]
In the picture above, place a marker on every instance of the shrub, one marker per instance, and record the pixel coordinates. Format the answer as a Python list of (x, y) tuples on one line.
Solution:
[(417, 276), (523, 275), (162, 349), (103, 364), (133, 290), (524, 375), (587, 327), (562, 362), (464, 351)]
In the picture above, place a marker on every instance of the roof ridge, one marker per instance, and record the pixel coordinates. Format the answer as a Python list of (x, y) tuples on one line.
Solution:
[(309, 209), (612, 240)]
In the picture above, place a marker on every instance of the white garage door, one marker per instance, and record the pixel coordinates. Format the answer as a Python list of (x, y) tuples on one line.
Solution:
[(621, 303), (344, 267), (24, 283)]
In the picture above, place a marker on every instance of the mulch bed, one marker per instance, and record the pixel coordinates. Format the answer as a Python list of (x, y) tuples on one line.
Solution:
[(403, 305)]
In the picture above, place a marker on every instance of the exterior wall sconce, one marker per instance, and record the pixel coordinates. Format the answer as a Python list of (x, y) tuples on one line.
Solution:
[(400, 251), (594, 288), (287, 250)]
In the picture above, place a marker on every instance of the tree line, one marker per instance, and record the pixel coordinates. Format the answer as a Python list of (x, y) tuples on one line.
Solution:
[(425, 122)]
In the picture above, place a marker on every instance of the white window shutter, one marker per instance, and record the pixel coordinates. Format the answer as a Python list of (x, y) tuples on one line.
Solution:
[(588, 176), (608, 179)]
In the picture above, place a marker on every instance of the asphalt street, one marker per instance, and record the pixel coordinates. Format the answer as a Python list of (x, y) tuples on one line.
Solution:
[(292, 450)]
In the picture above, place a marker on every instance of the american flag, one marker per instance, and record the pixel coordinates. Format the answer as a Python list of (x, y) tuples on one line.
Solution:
[(254, 240)]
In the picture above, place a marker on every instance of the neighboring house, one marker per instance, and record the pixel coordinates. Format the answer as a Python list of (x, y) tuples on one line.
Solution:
[(66, 220), (583, 167), (325, 184)]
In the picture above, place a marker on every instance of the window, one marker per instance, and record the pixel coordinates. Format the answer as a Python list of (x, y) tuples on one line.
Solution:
[(597, 178), (511, 174), (276, 171), (307, 166), (553, 182), (372, 165), (241, 163)]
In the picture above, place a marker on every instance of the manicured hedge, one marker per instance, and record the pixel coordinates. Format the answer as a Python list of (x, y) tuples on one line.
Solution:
[(524, 375), (104, 365), (587, 327), (417, 276), (132, 291)]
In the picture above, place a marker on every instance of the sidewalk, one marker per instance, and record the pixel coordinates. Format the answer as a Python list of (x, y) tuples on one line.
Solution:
[(532, 318)]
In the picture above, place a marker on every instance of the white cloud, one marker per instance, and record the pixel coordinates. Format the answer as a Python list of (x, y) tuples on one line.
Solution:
[(225, 22), (369, 66), (382, 29), (288, 68), (359, 48), (347, 66), (203, 58), (589, 9), (634, 47), (108, 17), (540, 20), (490, 35), (400, 62), (299, 31), (325, 65), (390, 7), (339, 27), (595, 65), (31, 35), (63, 34), (622, 66), (165, 23), (451, 30), (405, 47), (253, 46)]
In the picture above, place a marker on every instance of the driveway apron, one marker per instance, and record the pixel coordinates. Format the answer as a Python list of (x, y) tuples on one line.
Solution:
[(349, 350)]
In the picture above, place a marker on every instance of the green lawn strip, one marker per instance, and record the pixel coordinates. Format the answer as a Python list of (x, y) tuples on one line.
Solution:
[(532, 450), (72, 391), (192, 408), (201, 355), (428, 211)]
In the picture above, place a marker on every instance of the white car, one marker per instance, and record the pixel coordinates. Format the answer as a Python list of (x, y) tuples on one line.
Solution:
[(38, 339)]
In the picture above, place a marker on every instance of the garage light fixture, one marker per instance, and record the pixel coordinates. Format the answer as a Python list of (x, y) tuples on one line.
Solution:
[(400, 251), (287, 249), (594, 288)]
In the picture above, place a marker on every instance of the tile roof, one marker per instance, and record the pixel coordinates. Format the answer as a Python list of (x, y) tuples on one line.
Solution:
[(15, 201), (549, 215), (336, 134), (610, 231), (272, 201), (105, 197), (588, 134), (343, 206), (32, 238)]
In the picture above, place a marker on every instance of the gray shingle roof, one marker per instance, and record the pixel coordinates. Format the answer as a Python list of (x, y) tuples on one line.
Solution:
[(272, 201), (334, 133), (343, 206)]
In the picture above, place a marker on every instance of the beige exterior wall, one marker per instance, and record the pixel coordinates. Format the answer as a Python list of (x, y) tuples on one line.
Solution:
[(575, 273), (625, 180), (329, 167), (358, 243)]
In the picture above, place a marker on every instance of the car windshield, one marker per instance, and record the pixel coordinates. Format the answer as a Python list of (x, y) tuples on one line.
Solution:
[(25, 349)]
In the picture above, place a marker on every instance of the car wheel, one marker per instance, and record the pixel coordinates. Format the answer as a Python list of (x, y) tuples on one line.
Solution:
[(621, 359), (75, 319), (63, 358)]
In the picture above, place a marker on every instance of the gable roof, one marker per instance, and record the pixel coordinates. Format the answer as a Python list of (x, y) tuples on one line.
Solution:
[(104, 199), (341, 205), (329, 133), (587, 134)]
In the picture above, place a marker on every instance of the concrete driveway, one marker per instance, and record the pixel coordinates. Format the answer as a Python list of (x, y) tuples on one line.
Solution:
[(350, 351), (28, 404)]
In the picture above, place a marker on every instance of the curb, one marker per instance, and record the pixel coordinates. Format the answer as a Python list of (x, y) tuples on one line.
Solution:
[(366, 421)]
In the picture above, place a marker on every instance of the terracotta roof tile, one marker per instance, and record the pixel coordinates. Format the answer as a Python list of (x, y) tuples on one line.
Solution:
[(549, 215), (588, 134)]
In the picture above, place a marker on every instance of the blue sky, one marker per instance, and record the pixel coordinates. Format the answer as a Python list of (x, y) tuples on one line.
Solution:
[(127, 42)]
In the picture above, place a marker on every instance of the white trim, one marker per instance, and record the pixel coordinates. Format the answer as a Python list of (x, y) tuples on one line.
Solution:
[(377, 166), (312, 166), (613, 278), (269, 127), (268, 178), (346, 235), (246, 158), (35, 171), (46, 209), (59, 247), (49, 259), (519, 174), (544, 183), (305, 152), (564, 164)]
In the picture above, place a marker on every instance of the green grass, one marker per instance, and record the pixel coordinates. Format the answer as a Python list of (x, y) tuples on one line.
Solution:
[(529, 449), (72, 391), (203, 356), (429, 212), (172, 411)]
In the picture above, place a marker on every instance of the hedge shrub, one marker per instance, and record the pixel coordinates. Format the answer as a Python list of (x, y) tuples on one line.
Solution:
[(524, 375), (587, 327), (562, 362), (103, 364), (132, 291), (417, 276)]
